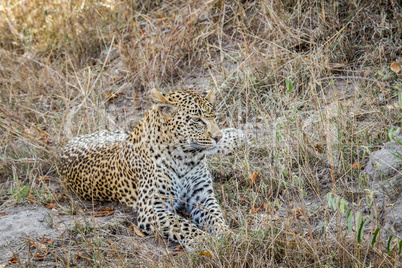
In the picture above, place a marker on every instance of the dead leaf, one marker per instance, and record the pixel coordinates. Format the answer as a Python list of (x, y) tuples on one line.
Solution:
[(40, 257), (136, 231), (203, 253), (267, 207), (78, 256), (254, 210), (48, 241), (31, 198), (318, 149), (136, 97), (253, 176), (104, 214), (395, 67), (356, 165), (13, 260), (38, 245), (106, 209), (298, 212), (3, 213), (51, 206)]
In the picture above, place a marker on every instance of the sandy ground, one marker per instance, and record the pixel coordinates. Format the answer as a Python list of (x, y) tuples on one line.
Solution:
[(23, 223)]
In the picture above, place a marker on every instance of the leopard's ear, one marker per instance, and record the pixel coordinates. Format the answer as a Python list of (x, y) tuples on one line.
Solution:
[(211, 96), (162, 103)]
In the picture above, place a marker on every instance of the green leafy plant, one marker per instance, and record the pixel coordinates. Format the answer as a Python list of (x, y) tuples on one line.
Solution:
[(392, 133), (374, 240), (389, 244), (289, 86), (360, 230), (336, 202), (350, 220)]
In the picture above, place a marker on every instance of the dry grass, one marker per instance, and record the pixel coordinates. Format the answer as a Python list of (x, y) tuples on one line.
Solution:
[(74, 67)]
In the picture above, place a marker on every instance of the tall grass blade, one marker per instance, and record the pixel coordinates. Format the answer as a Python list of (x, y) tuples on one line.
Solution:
[(375, 237), (350, 220), (389, 244), (360, 232)]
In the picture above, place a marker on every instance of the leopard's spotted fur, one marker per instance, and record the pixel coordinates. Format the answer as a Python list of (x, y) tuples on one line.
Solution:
[(159, 168)]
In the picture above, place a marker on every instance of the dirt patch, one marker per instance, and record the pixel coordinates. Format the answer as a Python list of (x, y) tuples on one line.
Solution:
[(24, 223), (25, 232)]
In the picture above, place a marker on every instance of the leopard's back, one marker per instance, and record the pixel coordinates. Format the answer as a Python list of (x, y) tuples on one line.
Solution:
[(90, 165)]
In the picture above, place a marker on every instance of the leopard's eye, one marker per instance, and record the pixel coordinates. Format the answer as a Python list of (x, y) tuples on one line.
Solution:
[(198, 120)]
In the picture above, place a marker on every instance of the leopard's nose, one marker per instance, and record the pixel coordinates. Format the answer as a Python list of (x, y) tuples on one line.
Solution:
[(217, 138)]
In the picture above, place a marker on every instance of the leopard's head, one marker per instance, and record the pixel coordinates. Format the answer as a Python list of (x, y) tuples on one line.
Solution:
[(190, 118)]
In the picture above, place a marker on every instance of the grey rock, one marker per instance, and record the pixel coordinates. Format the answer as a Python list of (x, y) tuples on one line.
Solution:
[(385, 167), (393, 220)]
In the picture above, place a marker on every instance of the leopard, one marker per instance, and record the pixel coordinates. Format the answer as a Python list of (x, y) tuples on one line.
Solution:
[(159, 169)]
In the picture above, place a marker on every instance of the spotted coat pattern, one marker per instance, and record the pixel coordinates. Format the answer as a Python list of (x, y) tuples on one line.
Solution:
[(159, 168)]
